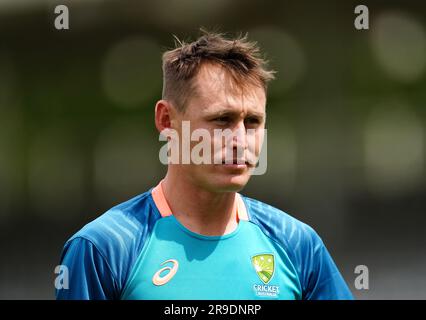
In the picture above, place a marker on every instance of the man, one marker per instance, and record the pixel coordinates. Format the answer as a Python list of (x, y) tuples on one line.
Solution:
[(193, 236)]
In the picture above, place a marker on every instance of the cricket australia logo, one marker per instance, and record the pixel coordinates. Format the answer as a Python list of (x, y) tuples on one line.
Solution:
[(264, 265)]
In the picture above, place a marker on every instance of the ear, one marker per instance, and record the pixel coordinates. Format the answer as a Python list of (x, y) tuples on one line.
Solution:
[(164, 113)]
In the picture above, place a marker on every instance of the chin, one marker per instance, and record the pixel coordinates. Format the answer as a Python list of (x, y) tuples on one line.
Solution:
[(230, 183), (218, 179)]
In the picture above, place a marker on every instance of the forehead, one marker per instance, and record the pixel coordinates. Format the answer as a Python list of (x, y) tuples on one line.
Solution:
[(215, 87)]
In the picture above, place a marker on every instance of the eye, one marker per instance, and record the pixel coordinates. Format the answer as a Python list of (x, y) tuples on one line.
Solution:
[(222, 119), (252, 121)]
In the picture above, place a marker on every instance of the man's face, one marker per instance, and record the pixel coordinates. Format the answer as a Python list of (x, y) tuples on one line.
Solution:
[(218, 106)]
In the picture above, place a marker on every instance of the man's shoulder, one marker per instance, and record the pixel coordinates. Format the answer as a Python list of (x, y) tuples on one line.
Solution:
[(281, 226), (122, 225), (318, 275), (112, 242), (119, 235)]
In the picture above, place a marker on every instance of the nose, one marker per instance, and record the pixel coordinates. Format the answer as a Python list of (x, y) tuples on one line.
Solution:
[(240, 136)]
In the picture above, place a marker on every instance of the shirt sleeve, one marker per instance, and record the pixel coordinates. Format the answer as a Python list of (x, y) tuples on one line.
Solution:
[(324, 281), (89, 275)]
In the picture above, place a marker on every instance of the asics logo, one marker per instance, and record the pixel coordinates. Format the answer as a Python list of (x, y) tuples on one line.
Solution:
[(158, 280)]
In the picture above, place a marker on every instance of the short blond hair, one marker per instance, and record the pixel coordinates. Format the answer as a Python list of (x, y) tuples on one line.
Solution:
[(239, 57)]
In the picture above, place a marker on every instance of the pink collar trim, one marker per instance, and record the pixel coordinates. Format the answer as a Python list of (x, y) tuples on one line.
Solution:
[(165, 211)]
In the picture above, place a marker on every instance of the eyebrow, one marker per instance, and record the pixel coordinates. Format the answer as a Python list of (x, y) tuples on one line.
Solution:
[(232, 113)]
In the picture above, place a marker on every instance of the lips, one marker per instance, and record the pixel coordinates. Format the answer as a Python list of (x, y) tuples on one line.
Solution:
[(234, 161), (237, 162)]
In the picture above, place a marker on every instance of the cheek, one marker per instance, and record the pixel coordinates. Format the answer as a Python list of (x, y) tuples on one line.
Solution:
[(260, 139), (255, 141)]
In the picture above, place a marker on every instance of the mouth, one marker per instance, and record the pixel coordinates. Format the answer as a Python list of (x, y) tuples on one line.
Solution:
[(237, 163)]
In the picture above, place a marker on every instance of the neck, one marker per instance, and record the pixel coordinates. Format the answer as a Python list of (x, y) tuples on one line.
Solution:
[(201, 211)]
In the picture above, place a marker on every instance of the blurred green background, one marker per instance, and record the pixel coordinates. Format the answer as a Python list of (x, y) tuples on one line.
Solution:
[(346, 125)]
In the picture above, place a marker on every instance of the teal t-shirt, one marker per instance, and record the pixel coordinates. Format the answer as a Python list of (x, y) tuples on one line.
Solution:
[(138, 250)]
